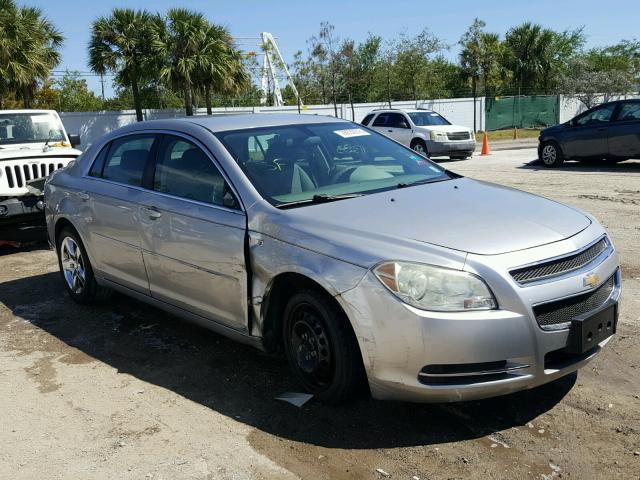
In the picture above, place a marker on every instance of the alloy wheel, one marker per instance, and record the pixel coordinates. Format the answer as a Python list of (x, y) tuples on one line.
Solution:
[(549, 154), (73, 266)]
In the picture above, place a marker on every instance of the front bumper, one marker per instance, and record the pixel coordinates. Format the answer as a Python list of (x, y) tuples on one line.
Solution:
[(398, 341), (451, 148), (22, 219)]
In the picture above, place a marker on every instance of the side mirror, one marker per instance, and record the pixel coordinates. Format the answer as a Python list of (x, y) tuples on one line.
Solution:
[(229, 201), (74, 140)]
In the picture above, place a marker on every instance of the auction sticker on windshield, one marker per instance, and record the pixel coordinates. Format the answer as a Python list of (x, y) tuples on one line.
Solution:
[(351, 132)]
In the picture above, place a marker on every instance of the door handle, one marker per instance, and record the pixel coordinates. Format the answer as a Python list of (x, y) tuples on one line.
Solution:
[(602, 129), (390, 131), (152, 212), (84, 196)]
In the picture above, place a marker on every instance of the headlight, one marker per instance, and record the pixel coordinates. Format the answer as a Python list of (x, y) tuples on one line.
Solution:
[(435, 288), (439, 136)]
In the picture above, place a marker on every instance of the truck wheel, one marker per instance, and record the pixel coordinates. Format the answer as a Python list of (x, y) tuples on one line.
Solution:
[(418, 145), (76, 270), (320, 347), (551, 154)]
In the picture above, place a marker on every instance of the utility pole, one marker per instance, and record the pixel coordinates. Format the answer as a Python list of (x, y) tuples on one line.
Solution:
[(102, 84)]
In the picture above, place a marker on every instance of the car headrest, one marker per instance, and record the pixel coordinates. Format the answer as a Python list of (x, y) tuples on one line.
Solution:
[(133, 160)]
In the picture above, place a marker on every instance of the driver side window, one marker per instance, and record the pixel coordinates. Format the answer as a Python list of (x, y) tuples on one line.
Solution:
[(597, 116)]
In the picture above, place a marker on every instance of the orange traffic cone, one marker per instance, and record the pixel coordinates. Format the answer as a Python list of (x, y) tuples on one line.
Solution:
[(516, 134), (485, 145)]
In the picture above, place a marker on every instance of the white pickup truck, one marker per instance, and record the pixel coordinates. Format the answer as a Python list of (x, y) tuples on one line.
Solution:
[(33, 143)]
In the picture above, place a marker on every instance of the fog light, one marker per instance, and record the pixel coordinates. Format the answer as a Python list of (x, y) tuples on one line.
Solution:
[(3, 210), (40, 205)]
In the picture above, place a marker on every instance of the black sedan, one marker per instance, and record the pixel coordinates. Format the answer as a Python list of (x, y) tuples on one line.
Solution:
[(609, 132)]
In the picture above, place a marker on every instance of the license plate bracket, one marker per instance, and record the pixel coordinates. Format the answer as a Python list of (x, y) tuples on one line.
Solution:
[(588, 330)]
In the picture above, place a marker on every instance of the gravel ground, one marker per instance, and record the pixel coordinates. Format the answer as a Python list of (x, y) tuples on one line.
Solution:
[(125, 391)]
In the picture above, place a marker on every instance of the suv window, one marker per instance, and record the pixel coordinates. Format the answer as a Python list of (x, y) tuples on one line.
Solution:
[(367, 119), (381, 120), (127, 158), (599, 115), (398, 120), (184, 170), (629, 112)]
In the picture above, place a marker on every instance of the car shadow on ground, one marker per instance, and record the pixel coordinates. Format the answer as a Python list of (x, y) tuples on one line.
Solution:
[(241, 382), (628, 166)]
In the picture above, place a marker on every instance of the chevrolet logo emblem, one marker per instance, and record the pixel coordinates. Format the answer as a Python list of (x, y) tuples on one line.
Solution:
[(590, 280)]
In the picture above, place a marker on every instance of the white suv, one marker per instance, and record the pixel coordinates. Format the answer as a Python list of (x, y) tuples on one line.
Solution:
[(425, 131)]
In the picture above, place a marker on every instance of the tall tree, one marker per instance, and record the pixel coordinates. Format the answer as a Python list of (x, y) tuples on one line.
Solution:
[(29, 49), (121, 43), (471, 58), (330, 43), (412, 58)]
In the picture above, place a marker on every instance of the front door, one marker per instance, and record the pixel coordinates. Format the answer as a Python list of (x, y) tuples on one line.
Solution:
[(393, 125), (113, 216), (588, 135), (193, 234)]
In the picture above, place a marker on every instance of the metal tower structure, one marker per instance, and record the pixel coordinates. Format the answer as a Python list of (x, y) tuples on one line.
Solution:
[(270, 67)]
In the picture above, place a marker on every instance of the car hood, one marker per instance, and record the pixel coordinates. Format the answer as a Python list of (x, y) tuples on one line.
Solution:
[(462, 215), (34, 150)]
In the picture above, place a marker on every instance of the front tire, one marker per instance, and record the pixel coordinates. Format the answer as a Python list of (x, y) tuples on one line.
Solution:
[(551, 154), (76, 270), (418, 146), (321, 348)]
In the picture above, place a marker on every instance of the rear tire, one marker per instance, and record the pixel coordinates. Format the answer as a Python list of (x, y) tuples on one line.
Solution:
[(321, 348), (418, 146), (551, 154), (76, 271)]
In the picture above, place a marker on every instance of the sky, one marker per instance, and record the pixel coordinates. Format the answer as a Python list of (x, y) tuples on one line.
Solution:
[(293, 22)]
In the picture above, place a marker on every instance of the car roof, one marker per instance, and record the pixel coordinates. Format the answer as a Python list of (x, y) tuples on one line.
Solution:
[(401, 110), (240, 121)]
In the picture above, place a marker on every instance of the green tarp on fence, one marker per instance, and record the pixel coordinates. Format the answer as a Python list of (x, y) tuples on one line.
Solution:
[(522, 111)]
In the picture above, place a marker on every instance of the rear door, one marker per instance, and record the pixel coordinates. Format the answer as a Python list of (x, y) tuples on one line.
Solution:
[(588, 136), (112, 198), (624, 132), (193, 232)]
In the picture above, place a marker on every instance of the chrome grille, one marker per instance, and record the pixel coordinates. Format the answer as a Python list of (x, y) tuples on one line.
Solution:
[(458, 135), (559, 266), (553, 314)]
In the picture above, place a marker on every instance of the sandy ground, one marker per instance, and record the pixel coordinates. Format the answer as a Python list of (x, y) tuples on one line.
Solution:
[(124, 391)]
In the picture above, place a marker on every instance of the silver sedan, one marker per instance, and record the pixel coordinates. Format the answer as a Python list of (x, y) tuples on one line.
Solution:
[(364, 262)]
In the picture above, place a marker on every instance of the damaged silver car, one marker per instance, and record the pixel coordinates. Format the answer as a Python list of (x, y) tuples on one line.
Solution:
[(360, 259)]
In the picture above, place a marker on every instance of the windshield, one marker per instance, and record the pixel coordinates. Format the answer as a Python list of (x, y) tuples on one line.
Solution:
[(424, 119), (30, 128), (298, 163)]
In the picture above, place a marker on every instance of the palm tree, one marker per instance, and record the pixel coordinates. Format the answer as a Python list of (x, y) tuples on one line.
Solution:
[(29, 49), (121, 43), (180, 42), (530, 54)]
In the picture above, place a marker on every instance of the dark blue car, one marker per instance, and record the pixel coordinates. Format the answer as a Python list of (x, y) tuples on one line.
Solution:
[(608, 132)]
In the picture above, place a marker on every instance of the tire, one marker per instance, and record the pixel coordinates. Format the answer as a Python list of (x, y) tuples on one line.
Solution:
[(321, 348), (551, 154), (418, 145), (75, 269)]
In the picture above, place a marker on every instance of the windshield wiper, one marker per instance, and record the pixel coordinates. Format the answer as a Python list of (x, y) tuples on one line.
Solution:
[(421, 182), (319, 198)]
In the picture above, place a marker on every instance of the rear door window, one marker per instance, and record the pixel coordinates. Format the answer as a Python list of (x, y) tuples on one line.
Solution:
[(127, 159), (629, 112), (381, 120), (367, 119)]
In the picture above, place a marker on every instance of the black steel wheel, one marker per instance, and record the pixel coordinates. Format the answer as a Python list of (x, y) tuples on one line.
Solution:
[(320, 346)]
